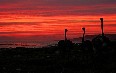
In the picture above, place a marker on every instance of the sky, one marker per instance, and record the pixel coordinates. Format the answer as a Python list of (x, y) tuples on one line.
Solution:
[(44, 21)]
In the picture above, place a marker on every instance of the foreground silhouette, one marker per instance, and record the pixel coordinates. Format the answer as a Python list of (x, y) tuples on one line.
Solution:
[(47, 60), (65, 45)]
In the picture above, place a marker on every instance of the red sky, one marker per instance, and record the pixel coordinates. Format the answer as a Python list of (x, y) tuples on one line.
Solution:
[(47, 19)]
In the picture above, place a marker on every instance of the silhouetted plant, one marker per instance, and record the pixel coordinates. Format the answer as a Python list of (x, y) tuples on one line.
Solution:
[(65, 44)]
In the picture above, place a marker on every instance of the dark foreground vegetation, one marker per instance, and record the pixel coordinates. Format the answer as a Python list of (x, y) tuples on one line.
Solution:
[(56, 59)]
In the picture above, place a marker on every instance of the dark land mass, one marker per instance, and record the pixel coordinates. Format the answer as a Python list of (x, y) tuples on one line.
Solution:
[(55, 59), (112, 37)]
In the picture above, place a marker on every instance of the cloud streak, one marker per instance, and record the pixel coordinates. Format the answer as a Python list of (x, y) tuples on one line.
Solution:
[(58, 7)]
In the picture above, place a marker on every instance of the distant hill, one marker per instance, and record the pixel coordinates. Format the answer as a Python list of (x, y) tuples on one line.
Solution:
[(112, 37)]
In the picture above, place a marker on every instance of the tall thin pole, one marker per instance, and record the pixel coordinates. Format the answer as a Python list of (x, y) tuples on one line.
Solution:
[(102, 26)]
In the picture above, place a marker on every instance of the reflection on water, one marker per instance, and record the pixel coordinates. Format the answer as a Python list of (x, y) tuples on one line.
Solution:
[(14, 45)]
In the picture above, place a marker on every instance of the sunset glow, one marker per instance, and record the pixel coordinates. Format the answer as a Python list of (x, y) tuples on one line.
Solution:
[(47, 19)]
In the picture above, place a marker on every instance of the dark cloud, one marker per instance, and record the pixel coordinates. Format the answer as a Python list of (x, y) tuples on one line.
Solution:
[(8, 1), (58, 7), (17, 23), (58, 2), (65, 2)]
